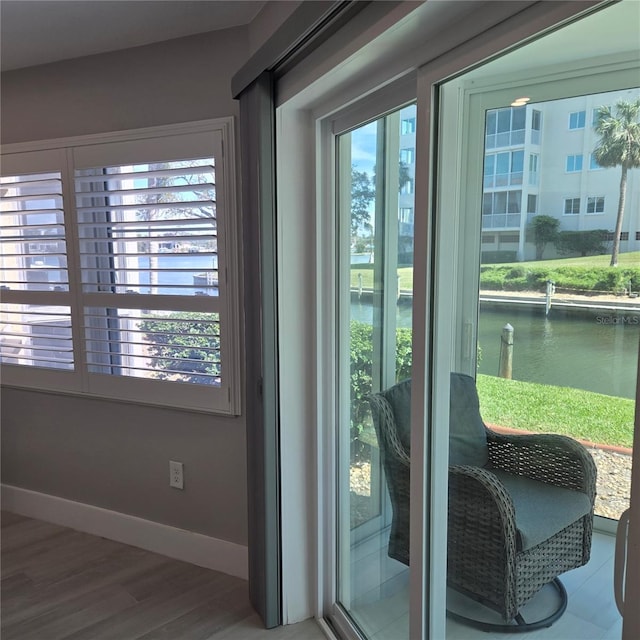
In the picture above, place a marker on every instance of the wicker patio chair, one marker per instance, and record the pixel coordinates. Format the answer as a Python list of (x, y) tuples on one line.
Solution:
[(520, 506)]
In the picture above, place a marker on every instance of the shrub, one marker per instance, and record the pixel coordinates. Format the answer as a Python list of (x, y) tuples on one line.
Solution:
[(182, 345), (544, 229), (361, 355), (496, 257), (516, 284), (492, 280), (572, 278), (583, 243)]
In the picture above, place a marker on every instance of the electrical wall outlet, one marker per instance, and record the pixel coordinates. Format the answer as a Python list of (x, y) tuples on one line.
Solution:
[(176, 474)]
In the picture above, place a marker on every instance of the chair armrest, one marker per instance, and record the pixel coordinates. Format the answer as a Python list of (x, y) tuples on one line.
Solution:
[(554, 459), (482, 517)]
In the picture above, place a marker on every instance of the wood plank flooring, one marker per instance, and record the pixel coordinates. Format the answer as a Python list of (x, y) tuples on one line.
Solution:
[(60, 584)]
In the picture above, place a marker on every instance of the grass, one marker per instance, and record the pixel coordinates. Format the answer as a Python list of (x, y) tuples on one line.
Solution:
[(405, 273), (583, 415), (631, 259)]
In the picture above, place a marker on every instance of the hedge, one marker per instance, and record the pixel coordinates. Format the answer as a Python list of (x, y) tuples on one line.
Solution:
[(361, 352), (590, 279), (184, 343)]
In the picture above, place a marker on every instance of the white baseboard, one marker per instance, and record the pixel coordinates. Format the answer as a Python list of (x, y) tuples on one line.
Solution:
[(180, 544)]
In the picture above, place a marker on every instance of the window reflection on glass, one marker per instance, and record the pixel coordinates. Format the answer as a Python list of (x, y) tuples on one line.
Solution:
[(376, 175), (576, 319)]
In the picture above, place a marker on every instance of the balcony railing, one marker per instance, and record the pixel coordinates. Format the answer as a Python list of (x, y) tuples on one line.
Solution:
[(501, 221)]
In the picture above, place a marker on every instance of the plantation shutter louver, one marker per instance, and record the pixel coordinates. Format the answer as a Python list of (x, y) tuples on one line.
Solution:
[(114, 267), (35, 312), (150, 229)]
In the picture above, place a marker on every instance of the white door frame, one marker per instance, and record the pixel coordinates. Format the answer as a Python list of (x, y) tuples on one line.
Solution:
[(305, 235)]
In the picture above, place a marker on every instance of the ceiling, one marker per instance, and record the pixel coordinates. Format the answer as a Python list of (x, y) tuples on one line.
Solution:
[(609, 30), (36, 32)]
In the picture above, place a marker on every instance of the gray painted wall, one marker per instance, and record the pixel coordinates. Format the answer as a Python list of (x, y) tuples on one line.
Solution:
[(268, 20), (116, 456), (173, 81), (109, 454)]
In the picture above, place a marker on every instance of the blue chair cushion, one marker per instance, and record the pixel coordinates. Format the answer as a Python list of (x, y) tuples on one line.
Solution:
[(467, 438), (467, 435), (399, 397), (531, 498)]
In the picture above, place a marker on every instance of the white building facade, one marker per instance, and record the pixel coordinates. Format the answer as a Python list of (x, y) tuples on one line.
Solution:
[(539, 161)]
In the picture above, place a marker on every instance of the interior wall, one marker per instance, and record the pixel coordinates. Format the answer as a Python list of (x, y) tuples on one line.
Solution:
[(270, 17), (105, 453), (177, 80), (116, 456)]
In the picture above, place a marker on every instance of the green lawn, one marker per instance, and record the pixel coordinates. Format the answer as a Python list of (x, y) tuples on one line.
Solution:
[(631, 259), (583, 415), (406, 273)]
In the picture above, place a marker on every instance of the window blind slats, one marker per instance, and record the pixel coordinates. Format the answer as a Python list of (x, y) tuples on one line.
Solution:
[(61, 256), (11, 220), (175, 346), (30, 236), (36, 335), (33, 250), (148, 238), (158, 190), (186, 226), (119, 173), (160, 206), (29, 180), (15, 200), (145, 282), (8, 215)]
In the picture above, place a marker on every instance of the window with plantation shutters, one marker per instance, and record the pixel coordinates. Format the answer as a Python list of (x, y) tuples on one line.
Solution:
[(137, 251), (35, 311)]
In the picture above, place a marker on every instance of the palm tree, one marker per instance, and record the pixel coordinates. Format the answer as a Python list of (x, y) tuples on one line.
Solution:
[(619, 145)]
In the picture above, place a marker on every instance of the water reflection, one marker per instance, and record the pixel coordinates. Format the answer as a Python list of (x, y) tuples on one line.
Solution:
[(564, 349), (591, 350)]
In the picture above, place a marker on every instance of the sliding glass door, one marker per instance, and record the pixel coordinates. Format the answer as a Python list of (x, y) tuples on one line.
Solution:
[(450, 235), (375, 175), (542, 223)]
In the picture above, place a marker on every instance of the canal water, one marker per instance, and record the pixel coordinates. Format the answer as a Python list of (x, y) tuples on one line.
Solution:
[(596, 350)]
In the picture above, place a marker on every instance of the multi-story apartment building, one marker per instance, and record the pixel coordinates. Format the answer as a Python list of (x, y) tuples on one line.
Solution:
[(408, 158), (539, 160)]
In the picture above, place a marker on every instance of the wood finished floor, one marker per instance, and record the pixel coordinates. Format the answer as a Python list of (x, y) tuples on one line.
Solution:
[(62, 584)]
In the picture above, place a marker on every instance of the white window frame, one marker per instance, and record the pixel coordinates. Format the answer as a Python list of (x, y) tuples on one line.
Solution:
[(405, 215), (407, 126), (572, 157), (576, 115), (593, 164), (572, 200), (408, 155), (594, 200), (407, 188), (207, 138)]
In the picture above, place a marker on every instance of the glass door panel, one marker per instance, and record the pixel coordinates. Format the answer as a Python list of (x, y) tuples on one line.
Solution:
[(375, 180), (544, 325), (558, 326)]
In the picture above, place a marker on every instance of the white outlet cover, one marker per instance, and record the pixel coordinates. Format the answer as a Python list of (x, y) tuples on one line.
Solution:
[(176, 474)]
